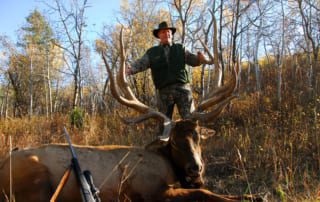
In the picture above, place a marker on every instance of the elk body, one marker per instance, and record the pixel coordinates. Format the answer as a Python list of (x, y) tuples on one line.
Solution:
[(121, 173)]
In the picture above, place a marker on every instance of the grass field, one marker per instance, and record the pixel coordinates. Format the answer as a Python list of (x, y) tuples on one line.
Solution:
[(252, 149)]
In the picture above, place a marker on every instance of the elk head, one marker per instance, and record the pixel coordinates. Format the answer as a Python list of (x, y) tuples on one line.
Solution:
[(181, 138)]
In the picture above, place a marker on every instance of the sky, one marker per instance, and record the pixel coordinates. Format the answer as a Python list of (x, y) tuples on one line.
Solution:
[(13, 14)]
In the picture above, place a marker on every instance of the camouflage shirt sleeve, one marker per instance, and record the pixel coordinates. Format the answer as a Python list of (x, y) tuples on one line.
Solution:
[(140, 64), (191, 59)]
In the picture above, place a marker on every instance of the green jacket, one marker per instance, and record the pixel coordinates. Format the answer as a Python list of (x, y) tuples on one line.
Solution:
[(168, 72)]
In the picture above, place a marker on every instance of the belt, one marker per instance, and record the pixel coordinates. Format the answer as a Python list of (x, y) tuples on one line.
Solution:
[(176, 85)]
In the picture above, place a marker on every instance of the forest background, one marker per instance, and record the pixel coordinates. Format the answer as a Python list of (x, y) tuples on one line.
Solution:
[(266, 141)]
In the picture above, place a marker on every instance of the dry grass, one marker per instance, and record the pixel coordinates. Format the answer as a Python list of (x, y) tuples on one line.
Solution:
[(279, 162)]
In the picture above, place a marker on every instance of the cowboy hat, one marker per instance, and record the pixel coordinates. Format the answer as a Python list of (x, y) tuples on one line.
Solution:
[(163, 25)]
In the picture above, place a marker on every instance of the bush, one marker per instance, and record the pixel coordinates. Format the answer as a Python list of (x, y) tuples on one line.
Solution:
[(77, 118)]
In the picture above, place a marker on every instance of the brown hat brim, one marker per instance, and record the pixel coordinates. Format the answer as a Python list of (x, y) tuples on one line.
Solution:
[(155, 31)]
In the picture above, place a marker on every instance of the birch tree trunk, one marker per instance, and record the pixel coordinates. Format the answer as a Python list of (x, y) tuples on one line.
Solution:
[(256, 55), (220, 43), (4, 103), (281, 57), (235, 33), (312, 37), (31, 86), (48, 88)]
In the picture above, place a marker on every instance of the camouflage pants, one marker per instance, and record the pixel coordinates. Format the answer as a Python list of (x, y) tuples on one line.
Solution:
[(176, 94)]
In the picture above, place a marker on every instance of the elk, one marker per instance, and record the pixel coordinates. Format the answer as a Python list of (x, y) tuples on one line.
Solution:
[(171, 171)]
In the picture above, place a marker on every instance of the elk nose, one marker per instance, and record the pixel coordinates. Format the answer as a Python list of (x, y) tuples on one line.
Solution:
[(194, 169)]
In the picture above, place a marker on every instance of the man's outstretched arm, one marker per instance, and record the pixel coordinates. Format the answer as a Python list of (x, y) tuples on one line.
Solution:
[(196, 60), (139, 65)]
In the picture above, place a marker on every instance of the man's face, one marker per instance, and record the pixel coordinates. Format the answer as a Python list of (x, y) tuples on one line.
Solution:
[(165, 36)]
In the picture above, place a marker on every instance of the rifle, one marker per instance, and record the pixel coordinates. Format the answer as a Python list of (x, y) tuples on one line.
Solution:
[(89, 193)]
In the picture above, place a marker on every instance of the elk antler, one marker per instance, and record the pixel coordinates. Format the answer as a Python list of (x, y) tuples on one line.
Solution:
[(122, 92), (220, 97), (215, 59), (217, 99)]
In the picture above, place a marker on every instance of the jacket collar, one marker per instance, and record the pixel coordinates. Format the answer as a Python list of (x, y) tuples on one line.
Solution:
[(163, 45)]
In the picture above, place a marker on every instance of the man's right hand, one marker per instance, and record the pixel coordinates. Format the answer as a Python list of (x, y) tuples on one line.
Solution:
[(203, 59)]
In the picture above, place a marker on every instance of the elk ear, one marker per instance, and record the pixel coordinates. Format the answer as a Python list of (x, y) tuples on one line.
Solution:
[(206, 133)]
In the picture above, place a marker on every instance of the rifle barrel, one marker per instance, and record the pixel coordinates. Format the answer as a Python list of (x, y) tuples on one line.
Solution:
[(86, 194)]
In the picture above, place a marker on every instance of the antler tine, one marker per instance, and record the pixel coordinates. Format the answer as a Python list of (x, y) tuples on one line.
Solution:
[(206, 49), (214, 113), (139, 119), (117, 95), (219, 94), (121, 78), (167, 123), (221, 101), (215, 42), (215, 57), (113, 88)]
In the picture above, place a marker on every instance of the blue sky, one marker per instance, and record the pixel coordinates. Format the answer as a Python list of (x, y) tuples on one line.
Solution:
[(14, 12)]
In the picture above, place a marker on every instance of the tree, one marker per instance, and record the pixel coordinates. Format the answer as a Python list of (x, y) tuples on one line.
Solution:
[(26, 66), (309, 11), (36, 40), (185, 10), (6, 49), (19, 79), (72, 23)]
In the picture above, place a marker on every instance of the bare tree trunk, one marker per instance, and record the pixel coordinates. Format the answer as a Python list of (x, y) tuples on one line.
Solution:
[(281, 58), (235, 33), (202, 84), (183, 15), (105, 87), (313, 40), (49, 84), (46, 97), (31, 87), (256, 53), (209, 80), (2, 106), (4, 103), (75, 90), (55, 100), (239, 60), (248, 74), (220, 43), (248, 56)]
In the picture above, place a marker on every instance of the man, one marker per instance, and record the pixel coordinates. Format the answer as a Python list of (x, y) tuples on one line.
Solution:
[(168, 68)]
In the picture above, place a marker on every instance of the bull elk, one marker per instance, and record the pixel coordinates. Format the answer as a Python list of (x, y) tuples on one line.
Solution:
[(172, 171)]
